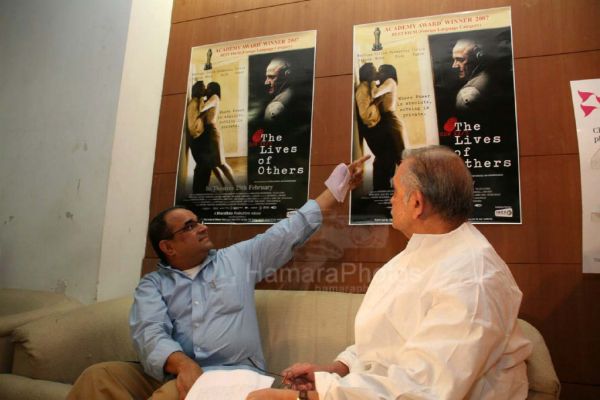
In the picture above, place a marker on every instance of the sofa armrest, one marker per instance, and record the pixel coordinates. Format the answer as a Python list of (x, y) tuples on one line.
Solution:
[(14, 387), (543, 381), (20, 306), (59, 347)]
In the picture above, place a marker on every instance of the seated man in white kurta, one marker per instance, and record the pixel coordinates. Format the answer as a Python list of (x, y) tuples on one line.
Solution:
[(439, 320)]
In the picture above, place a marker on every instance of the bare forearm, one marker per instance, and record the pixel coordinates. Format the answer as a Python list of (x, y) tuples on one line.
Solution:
[(326, 200), (385, 87), (337, 367), (212, 102)]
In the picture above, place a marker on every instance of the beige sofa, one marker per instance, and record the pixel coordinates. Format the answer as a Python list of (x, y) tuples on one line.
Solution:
[(295, 326)]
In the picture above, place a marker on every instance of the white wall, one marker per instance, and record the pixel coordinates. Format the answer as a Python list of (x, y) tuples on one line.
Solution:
[(130, 180), (61, 113)]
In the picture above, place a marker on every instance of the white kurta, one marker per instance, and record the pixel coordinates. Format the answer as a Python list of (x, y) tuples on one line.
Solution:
[(437, 322)]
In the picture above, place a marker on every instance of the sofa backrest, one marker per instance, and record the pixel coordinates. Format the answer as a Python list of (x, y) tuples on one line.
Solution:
[(300, 326)]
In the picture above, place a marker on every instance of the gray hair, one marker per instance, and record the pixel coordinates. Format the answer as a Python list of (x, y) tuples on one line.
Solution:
[(465, 44), (443, 178), (281, 64)]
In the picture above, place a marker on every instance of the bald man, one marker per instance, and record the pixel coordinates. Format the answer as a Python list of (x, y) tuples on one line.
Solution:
[(277, 83), (468, 60)]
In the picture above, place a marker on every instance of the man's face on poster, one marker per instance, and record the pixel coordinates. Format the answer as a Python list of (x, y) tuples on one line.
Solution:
[(462, 60), (275, 76)]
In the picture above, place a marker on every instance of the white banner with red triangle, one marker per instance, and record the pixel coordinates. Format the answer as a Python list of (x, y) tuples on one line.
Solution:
[(586, 104)]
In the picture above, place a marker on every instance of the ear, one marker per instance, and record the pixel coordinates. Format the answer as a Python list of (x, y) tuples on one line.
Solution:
[(166, 247), (417, 204)]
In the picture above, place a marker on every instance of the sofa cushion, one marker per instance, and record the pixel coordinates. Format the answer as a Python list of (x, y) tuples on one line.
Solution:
[(20, 306), (540, 370), (59, 347), (300, 326)]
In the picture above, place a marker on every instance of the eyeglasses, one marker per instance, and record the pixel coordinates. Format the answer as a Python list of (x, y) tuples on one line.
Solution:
[(188, 227)]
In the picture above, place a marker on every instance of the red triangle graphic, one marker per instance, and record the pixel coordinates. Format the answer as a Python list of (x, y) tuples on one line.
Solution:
[(584, 95), (587, 109)]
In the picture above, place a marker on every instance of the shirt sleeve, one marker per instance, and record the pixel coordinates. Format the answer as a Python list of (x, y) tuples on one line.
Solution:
[(459, 339), (151, 329), (273, 248), (349, 357)]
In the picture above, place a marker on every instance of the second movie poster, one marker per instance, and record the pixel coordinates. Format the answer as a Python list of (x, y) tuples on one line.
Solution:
[(245, 144), (445, 79)]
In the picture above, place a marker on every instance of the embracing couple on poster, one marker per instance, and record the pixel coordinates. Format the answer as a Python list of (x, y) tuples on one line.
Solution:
[(378, 123), (205, 141)]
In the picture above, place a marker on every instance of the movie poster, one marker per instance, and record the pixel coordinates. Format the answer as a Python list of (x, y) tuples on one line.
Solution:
[(245, 148), (445, 79), (586, 106)]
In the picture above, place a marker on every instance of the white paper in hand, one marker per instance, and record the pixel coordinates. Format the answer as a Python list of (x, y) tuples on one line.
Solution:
[(338, 182), (228, 384)]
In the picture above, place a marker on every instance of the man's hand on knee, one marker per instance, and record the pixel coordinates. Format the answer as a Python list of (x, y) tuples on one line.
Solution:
[(186, 369), (186, 378)]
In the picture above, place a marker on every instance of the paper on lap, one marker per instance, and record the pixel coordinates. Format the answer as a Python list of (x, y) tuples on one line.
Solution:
[(231, 384)]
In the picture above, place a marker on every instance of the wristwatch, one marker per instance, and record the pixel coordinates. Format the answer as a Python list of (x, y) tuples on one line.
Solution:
[(302, 395)]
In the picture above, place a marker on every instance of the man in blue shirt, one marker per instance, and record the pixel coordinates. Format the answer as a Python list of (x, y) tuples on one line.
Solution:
[(197, 310)]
